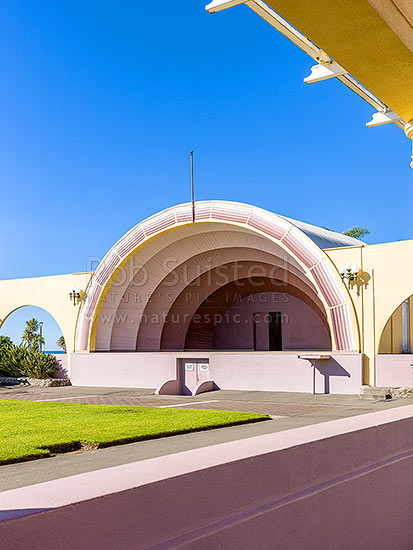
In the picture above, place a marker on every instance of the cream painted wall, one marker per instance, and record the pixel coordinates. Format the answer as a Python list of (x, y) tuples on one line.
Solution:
[(384, 283), (392, 336), (50, 293)]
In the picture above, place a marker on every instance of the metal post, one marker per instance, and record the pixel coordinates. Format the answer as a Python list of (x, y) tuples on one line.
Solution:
[(41, 334), (192, 186), (405, 327), (313, 369)]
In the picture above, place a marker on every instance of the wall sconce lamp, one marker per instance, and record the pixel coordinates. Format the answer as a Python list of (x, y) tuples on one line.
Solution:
[(75, 295), (349, 272)]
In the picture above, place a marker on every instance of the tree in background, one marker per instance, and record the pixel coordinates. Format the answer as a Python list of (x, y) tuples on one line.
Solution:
[(61, 343), (31, 337), (356, 232)]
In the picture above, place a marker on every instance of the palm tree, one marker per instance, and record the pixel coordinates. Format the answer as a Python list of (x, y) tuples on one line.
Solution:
[(30, 337), (356, 232), (61, 343), (32, 326)]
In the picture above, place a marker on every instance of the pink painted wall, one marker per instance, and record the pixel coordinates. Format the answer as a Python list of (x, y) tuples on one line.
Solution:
[(394, 370), (127, 370), (286, 372), (303, 489), (266, 371), (302, 328)]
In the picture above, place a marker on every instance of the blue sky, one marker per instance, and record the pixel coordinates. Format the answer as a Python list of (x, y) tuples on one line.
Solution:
[(101, 101)]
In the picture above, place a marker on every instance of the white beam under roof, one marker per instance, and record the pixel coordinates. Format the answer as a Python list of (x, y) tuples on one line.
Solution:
[(378, 119), (281, 25), (323, 71)]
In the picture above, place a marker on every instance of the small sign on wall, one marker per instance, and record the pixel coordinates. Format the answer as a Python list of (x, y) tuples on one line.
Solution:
[(189, 366), (203, 366)]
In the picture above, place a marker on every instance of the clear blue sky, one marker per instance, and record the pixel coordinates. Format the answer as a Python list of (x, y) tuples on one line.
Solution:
[(101, 101)]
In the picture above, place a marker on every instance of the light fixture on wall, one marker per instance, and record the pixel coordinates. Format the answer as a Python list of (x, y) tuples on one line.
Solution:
[(349, 272), (75, 294)]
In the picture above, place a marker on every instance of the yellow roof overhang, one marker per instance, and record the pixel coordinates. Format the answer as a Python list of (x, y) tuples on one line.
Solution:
[(372, 40)]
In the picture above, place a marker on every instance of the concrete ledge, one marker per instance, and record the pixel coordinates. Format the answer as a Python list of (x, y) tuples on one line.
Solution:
[(375, 393), (313, 487)]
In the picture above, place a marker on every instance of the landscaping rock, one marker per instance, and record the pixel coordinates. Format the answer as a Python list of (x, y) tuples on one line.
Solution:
[(401, 392), (42, 382), (49, 382)]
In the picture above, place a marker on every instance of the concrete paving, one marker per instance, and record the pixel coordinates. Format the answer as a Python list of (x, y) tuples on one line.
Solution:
[(288, 410)]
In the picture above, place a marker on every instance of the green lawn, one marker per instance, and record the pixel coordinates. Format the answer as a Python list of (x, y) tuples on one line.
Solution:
[(29, 429)]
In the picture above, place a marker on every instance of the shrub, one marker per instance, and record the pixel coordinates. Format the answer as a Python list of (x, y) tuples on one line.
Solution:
[(19, 361), (40, 365), (4, 340), (12, 359)]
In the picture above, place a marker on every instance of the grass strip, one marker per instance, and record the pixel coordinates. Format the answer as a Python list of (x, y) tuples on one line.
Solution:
[(31, 430)]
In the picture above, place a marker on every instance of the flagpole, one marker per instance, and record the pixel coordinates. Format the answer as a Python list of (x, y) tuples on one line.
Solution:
[(192, 186)]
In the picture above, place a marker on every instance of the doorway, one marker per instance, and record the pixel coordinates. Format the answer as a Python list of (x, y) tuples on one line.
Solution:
[(192, 372), (275, 331)]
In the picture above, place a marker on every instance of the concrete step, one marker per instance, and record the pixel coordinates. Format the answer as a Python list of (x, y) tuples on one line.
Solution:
[(375, 393)]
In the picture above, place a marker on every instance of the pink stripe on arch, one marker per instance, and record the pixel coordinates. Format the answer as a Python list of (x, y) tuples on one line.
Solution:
[(299, 246), (126, 245), (83, 331), (106, 267), (232, 213), (337, 320), (341, 319), (203, 211), (332, 293), (274, 227), (92, 297), (183, 213), (159, 223)]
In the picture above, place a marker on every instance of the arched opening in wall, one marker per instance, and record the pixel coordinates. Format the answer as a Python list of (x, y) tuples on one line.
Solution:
[(397, 335), (14, 324)]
